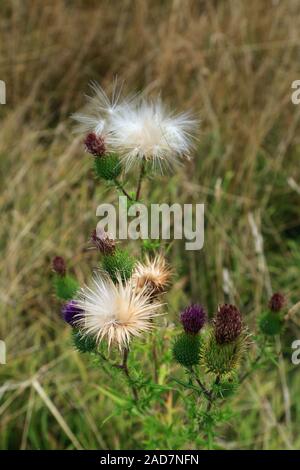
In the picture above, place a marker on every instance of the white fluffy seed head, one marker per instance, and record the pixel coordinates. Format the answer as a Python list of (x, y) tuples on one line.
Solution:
[(115, 312), (147, 130), (153, 274), (138, 129)]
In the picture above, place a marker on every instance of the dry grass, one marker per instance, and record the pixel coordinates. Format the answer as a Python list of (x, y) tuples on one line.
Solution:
[(233, 62)]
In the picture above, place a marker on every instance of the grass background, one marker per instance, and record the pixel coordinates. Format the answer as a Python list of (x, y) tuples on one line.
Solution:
[(233, 62)]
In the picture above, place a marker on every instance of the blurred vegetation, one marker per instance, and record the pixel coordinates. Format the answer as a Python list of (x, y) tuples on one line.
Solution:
[(232, 62)]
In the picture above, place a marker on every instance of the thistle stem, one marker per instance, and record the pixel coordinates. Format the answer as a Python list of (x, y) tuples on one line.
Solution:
[(121, 188), (124, 368), (203, 389), (211, 395), (155, 360), (142, 174)]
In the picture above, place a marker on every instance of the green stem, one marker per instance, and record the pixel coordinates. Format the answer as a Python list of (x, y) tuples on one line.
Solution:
[(121, 188), (206, 392), (211, 395), (209, 440), (124, 368), (142, 174)]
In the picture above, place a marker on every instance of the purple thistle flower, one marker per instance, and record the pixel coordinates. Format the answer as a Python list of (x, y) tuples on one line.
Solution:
[(193, 318), (94, 144), (228, 324), (276, 302), (71, 312)]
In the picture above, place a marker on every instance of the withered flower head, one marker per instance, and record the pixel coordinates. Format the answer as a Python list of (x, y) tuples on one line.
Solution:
[(137, 128), (103, 242), (95, 144), (115, 312), (59, 265), (228, 324), (277, 302), (154, 275)]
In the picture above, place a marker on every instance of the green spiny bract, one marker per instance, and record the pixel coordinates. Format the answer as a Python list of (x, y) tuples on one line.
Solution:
[(84, 344), (186, 349), (270, 323), (65, 287), (118, 265), (108, 166), (221, 359)]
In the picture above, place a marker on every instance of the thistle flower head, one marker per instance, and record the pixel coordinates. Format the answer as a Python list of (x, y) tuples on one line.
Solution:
[(102, 241), (94, 144), (228, 324), (222, 359), (59, 265), (115, 312), (71, 312), (136, 128), (147, 130), (193, 318), (153, 275), (277, 302)]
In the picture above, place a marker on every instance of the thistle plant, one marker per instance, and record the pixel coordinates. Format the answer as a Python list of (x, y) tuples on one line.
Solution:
[(123, 299)]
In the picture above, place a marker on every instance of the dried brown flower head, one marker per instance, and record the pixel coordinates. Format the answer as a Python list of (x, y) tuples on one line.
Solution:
[(154, 274)]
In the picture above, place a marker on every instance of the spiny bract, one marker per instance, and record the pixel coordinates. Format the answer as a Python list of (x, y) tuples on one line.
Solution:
[(186, 349), (221, 359)]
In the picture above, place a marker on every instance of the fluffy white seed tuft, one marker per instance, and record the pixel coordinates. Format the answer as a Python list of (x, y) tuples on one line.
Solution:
[(139, 129), (115, 312)]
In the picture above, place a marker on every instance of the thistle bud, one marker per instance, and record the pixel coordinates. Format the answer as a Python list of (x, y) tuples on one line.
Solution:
[(59, 265), (270, 323), (193, 318), (221, 359), (94, 144), (277, 302), (119, 264), (65, 287), (108, 166), (228, 324), (186, 350), (103, 242), (71, 312)]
